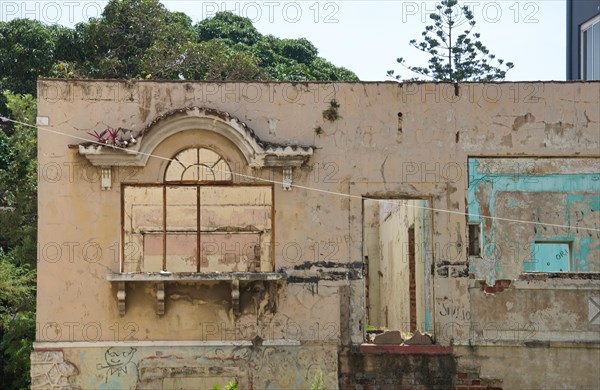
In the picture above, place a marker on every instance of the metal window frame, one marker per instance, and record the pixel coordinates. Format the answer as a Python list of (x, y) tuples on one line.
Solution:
[(583, 28)]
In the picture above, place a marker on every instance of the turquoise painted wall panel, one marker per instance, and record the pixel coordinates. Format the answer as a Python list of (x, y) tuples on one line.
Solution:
[(533, 203), (549, 257)]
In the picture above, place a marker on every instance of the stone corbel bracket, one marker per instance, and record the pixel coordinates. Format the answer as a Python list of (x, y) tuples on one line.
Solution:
[(160, 298), (161, 280), (258, 153), (235, 297), (121, 295)]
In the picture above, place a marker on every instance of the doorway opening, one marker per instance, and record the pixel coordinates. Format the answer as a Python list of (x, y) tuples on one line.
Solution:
[(398, 255)]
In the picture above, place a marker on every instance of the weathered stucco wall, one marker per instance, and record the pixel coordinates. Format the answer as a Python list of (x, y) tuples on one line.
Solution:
[(392, 141), (154, 366), (371, 256)]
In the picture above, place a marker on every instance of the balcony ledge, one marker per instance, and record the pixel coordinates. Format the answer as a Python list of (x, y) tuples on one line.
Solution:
[(159, 278), (193, 276)]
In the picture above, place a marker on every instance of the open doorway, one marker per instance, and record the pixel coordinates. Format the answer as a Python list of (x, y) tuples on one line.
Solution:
[(398, 256)]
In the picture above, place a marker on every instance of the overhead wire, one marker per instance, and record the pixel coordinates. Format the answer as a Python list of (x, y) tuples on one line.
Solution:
[(314, 189)]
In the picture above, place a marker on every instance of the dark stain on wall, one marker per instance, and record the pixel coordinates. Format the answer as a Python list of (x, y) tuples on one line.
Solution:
[(396, 371)]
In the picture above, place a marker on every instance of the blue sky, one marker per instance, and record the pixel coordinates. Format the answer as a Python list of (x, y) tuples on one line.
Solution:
[(367, 36)]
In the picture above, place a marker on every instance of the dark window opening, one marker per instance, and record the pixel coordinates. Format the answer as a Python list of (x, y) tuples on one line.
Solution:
[(475, 239)]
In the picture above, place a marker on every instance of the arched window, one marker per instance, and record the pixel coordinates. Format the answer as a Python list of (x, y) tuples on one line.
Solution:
[(197, 165)]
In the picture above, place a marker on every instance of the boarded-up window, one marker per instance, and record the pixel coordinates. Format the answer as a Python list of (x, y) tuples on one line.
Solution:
[(142, 228), (197, 221)]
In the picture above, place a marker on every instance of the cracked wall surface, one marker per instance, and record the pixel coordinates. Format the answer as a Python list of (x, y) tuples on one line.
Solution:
[(410, 140)]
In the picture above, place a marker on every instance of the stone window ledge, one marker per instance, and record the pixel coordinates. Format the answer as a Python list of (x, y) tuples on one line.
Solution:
[(194, 276), (161, 278)]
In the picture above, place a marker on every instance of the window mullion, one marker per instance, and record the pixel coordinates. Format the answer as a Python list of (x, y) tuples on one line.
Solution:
[(198, 239), (164, 257)]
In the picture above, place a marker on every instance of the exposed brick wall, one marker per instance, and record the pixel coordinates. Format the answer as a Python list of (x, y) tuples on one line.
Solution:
[(408, 371), (498, 287), (470, 380), (383, 371)]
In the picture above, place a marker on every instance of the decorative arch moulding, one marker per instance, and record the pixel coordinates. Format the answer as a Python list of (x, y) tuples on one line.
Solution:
[(129, 149)]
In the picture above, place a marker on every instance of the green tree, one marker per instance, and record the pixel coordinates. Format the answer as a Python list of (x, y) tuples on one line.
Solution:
[(30, 49), (230, 27), (67, 45), (18, 210), (300, 50), (455, 56), (116, 42), (135, 39), (26, 51), (244, 54), (68, 52), (18, 182), (17, 322), (212, 60)]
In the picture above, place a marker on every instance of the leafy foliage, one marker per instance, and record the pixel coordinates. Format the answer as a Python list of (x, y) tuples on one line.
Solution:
[(18, 182), (26, 50), (212, 60), (17, 289), (228, 47), (228, 26), (331, 113), (300, 50), (455, 56), (317, 383), (18, 210), (232, 385), (117, 41), (142, 39)]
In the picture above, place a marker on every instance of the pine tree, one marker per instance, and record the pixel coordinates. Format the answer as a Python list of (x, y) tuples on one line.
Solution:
[(455, 56)]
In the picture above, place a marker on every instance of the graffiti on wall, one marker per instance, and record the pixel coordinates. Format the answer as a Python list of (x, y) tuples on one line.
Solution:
[(119, 362)]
